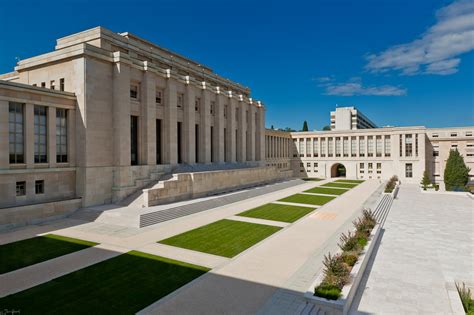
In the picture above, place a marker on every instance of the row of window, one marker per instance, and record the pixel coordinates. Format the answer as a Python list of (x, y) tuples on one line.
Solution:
[(17, 134), (362, 169), (453, 134), (52, 84), (339, 146), (454, 146), (21, 188)]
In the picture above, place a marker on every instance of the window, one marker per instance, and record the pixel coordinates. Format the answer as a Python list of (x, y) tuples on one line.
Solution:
[(338, 147), (435, 151), (435, 135), (159, 97), (308, 147), (361, 168), (401, 145), (370, 146), (323, 147), (41, 155), (39, 187), (379, 168), (20, 188), (378, 146), (180, 100), (408, 170), (416, 144), (353, 147), (295, 145), (345, 146), (197, 104), (315, 165), (370, 168), (43, 84), (330, 147), (315, 147), (301, 147), (454, 147), (61, 135), (453, 134), (134, 140), (387, 146), (408, 145), (134, 91), (362, 147), (15, 133), (213, 108), (51, 85), (468, 134), (225, 111), (308, 165), (61, 84)]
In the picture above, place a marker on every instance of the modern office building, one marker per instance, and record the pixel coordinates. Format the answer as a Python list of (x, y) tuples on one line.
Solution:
[(349, 118)]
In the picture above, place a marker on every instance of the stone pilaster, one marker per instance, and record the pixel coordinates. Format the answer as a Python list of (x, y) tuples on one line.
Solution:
[(251, 134), (170, 132), (242, 128), (51, 135), (205, 128), (219, 125), (29, 135), (148, 119), (71, 139), (231, 143), (189, 139), (260, 135), (4, 142)]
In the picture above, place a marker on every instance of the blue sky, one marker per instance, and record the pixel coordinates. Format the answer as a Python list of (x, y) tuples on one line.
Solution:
[(401, 62)]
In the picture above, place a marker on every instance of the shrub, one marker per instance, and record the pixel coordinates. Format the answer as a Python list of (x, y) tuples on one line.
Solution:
[(362, 241), (350, 258), (456, 173), (392, 182), (327, 291), (369, 216), (466, 299), (348, 242), (334, 266), (425, 182)]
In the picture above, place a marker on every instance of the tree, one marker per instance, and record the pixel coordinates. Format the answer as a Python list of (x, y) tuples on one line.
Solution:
[(271, 127), (305, 126), (288, 129), (425, 182), (456, 173), (326, 128)]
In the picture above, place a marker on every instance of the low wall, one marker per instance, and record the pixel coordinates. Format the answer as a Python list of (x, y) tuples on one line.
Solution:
[(31, 214), (193, 185)]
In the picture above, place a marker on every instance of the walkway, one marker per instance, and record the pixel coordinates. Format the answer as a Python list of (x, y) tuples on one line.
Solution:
[(243, 285), (428, 243)]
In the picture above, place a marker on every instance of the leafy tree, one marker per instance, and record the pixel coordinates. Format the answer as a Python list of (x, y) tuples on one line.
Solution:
[(456, 173), (305, 126), (425, 182), (326, 128), (289, 129)]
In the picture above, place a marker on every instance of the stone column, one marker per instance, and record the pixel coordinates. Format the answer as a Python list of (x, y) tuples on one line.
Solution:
[(403, 145), (242, 143), (51, 136), (358, 146), (366, 143), (29, 124), (251, 133), (4, 135), (170, 131), (121, 114), (260, 134), (71, 137), (231, 144), (148, 119), (383, 145), (205, 127), (189, 148), (219, 125)]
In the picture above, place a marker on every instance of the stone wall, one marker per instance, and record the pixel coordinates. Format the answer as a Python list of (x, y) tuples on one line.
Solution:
[(194, 185), (32, 214)]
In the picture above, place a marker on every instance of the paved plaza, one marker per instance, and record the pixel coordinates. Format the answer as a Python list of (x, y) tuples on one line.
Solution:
[(427, 244)]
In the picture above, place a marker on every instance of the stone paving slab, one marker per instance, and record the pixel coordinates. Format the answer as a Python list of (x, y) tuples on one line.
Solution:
[(318, 194), (258, 221), (185, 255), (297, 204), (33, 275), (427, 244)]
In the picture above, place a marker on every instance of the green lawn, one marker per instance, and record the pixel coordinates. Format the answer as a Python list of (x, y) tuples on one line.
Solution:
[(325, 190), (308, 199), (353, 181), (277, 212), (341, 185), (311, 179), (121, 285), (34, 250), (224, 238)]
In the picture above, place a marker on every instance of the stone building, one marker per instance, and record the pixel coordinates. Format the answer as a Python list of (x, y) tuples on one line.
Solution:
[(106, 114), (350, 118)]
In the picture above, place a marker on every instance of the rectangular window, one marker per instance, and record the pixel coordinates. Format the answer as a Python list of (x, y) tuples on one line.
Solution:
[(20, 188), (370, 146), (134, 91), (315, 165), (361, 168), (468, 134), (301, 149), (41, 155), (134, 140), (308, 165), (454, 147), (379, 168), (158, 142), (378, 146), (361, 147), (353, 147), (315, 147), (308, 147), (453, 134), (51, 85), (401, 145), (370, 168), (387, 146), (408, 170), (16, 132), (39, 187), (435, 135), (323, 147), (61, 135), (330, 147), (180, 100), (61, 84), (213, 108), (159, 97), (408, 145), (338, 147), (225, 111), (43, 84), (197, 104), (295, 146), (345, 147), (416, 145)]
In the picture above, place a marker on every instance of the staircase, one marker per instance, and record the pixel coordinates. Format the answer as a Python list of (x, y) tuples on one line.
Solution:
[(383, 208)]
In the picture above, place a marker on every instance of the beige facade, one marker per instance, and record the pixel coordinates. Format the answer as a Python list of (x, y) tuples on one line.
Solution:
[(349, 118), (134, 112)]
